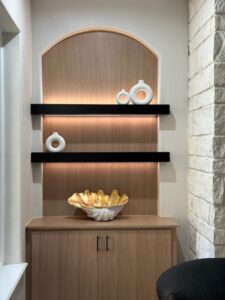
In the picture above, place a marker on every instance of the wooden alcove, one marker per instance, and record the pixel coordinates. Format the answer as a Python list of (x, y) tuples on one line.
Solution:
[(84, 259), (90, 67)]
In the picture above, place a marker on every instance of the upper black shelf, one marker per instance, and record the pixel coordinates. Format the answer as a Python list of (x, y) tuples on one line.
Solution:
[(99, 109), (85, 157)]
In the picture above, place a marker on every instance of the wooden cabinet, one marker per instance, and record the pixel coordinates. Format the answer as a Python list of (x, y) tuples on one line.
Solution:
[(97, 263)]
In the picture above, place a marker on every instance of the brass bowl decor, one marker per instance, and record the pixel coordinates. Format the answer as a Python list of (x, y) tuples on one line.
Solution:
[(99, 206)]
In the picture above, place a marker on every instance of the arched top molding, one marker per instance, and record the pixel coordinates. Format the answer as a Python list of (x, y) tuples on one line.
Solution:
[(101, 29)]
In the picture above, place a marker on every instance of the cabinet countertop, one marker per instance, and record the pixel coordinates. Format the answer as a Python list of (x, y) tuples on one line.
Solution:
[(84, 223)]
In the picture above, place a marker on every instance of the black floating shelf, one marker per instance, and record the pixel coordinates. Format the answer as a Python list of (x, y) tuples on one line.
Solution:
[(99, 109), (85, 157)]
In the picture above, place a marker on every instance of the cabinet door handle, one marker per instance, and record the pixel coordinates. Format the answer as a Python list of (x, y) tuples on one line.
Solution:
[(107, 243), (98, 237)]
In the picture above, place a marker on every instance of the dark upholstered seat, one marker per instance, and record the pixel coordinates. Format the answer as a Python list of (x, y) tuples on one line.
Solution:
[(202, 279)]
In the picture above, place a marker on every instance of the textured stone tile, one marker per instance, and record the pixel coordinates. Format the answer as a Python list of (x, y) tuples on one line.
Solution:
[(199, 207), (219, 46), (220, 95), (219, 75), (219, 251), (192, 238), (205, 32), (204, 248), (219, 237), (203, 99), (217, 217), (204, 164), (201, 17), (202, 81), (219, 23), (219, 166), (220, 6), (219, 119), (202, 228), (219, 146), (218, 190), (200, 184), (201, 57), (203, 120), (194, 6), (191, 255), (201, 146)]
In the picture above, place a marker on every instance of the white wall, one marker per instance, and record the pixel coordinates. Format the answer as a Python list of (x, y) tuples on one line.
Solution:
[(163, 25), (16, 55), (17, 73), (1, 155)]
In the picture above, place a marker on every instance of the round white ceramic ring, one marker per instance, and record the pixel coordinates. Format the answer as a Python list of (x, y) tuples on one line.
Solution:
[(55, 137), (141, 86), (123, 97)]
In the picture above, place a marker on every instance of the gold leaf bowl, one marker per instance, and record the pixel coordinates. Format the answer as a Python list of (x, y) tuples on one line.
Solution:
[(99, 206)]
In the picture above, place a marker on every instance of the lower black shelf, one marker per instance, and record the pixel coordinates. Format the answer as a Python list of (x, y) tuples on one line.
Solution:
[(99, 109), (85, 157)]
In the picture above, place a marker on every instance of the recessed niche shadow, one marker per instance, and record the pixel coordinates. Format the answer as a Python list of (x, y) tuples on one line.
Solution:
[(168, 122), (180, 254), (36, 122), (37, 173), (167, 172), (7, 37), (19, 290)]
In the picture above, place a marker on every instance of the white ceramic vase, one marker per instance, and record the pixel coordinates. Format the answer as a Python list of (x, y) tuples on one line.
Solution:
[(123, 97), (141, 86), (103, 214), (55, 137)]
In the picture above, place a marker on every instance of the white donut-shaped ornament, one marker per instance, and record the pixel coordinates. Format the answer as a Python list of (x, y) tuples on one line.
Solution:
[(55, 138), (123, 97), (141, 86)]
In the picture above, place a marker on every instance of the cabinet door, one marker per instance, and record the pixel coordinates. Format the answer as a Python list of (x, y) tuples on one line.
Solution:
[(153, 258), (63, 266), (131, 266)]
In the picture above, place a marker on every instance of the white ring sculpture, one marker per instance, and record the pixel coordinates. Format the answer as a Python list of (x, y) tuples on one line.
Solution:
[(141, 86), (119, 96), (55, 137)]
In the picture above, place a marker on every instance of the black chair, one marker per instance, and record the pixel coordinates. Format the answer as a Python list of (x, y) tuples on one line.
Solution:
[(202, 279)]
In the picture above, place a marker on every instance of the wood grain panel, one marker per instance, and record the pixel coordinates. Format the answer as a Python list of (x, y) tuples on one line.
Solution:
[(137, 180), (133, 263), (91, 68), (104, 133), (64, 266), (45, 266), (153, 258)]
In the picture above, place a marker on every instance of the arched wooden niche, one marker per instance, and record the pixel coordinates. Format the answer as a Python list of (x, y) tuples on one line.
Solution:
[(91, 67)]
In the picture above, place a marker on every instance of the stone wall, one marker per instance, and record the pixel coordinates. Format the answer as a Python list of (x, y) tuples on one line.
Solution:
[(206, 127)]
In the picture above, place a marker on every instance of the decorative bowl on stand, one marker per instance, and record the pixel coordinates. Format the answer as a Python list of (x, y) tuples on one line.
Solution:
[(99, 206)]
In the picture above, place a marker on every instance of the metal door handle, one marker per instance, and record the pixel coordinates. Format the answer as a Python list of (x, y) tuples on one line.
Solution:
[(107, 243), (98, 237)]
